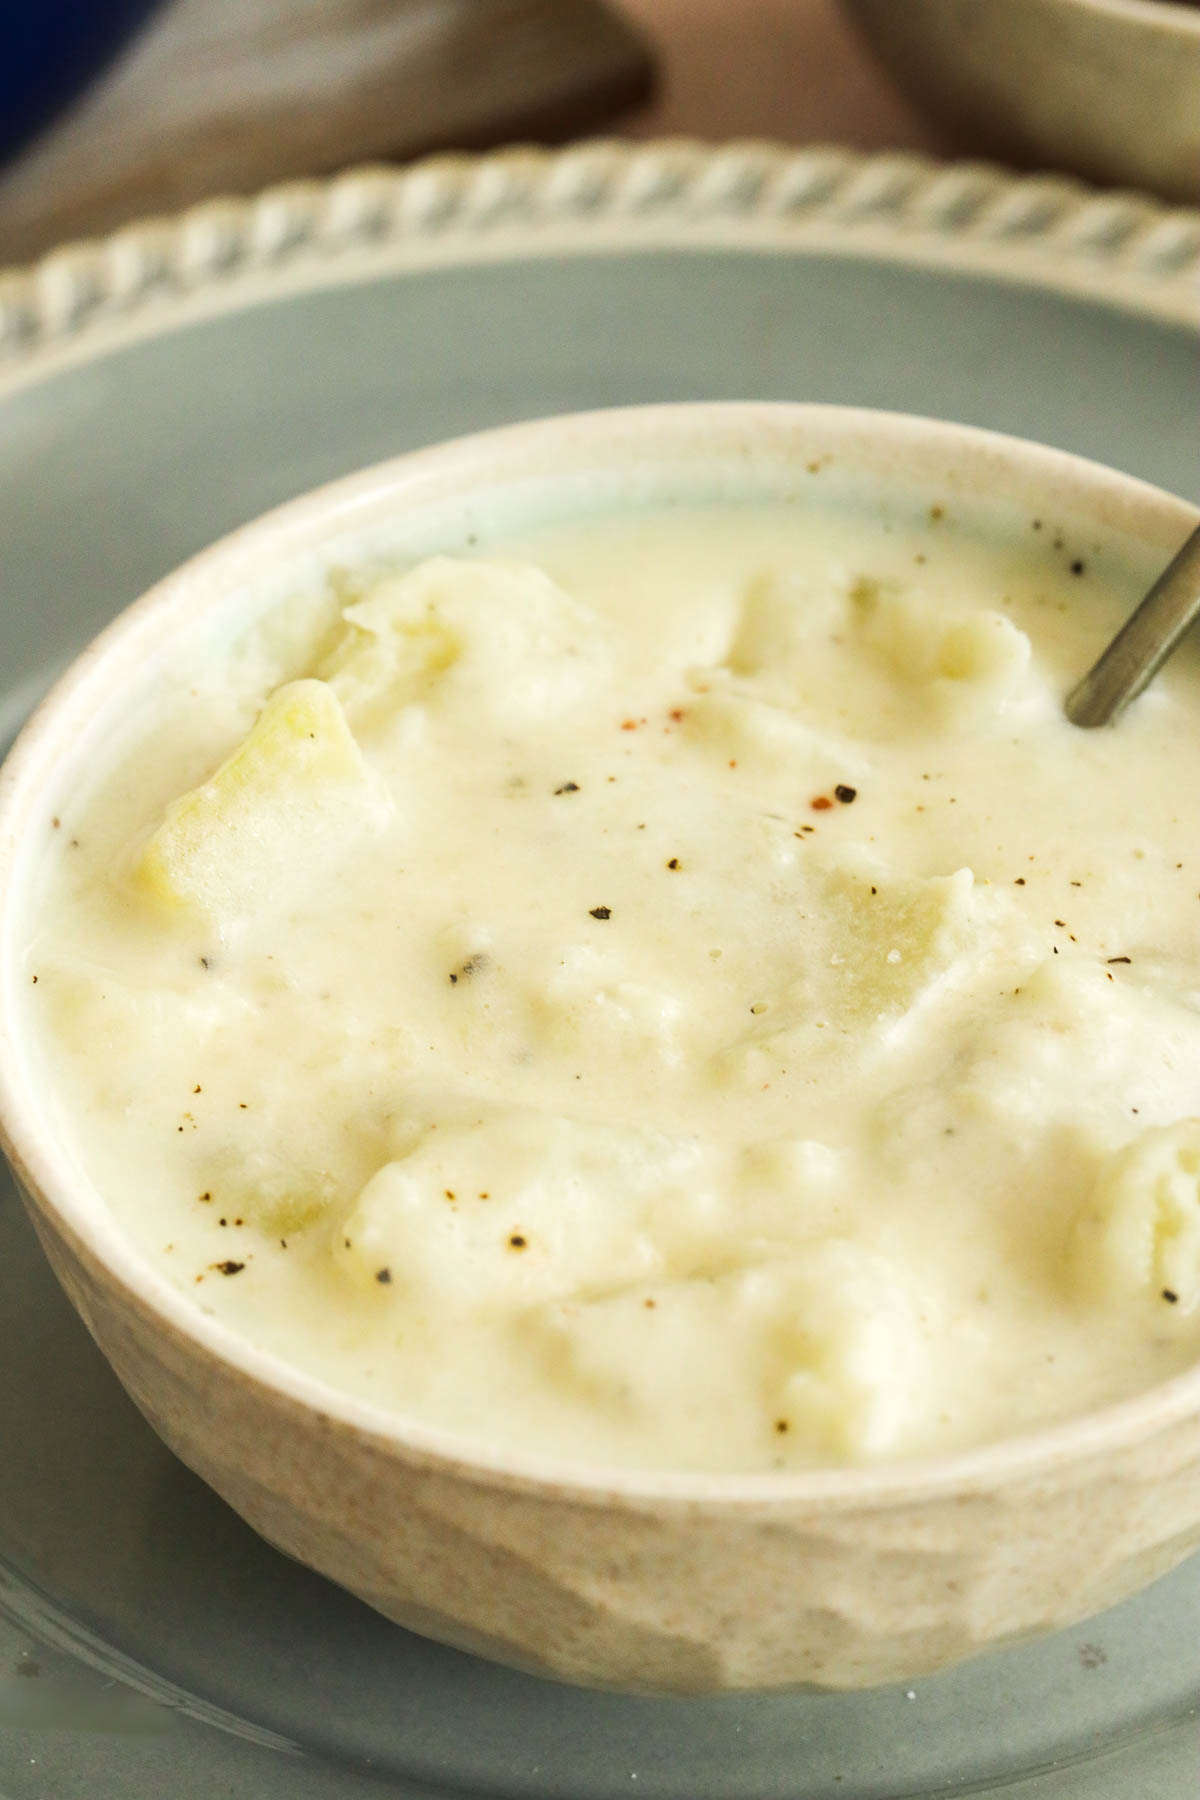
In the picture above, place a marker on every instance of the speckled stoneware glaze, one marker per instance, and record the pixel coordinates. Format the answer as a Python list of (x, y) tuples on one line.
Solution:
[(1107, 88), (680, 1583)]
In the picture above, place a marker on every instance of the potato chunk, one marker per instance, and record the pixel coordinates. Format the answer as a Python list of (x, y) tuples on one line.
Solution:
[(910, 658), (499, 640), (826, 1341), (507, 1205), (290, 791), (1139, 1234)]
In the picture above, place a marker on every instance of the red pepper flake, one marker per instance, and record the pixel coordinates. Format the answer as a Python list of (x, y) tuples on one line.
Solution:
[(601, 912), (649, 1305), (676, 713), (34, 980), (383, 1277), (450, 1194), (228, 1267), (57, 824), (822, 803), (628, 724), (845, 794)]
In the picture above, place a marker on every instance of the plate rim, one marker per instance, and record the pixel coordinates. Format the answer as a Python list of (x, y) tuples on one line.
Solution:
[(1117, 247)]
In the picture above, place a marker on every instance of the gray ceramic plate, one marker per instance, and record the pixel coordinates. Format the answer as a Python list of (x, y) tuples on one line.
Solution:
[(155, 392)]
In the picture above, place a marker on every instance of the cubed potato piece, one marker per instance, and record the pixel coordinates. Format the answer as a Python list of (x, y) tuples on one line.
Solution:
[(931, 648), (1138, 1236), (869, 947), (793, 648), (825, 1344), (290, 793), (890, 938), (498, 638), (503, 1206)]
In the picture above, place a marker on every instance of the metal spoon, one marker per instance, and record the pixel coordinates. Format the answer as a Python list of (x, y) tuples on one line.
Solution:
[(1143, 644)]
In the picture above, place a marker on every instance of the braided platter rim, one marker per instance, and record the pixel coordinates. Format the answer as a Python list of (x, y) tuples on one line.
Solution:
[(1122, 248)]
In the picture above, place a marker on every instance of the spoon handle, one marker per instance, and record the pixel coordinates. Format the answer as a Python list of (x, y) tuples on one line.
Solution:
[(1143, 643)]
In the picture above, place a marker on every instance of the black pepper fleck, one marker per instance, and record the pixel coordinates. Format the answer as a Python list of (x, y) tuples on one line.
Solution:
[(383, 1277), (1170, 1296), (845, 794), (601, 912), (568, 787), (673, 864), (229, 1267)]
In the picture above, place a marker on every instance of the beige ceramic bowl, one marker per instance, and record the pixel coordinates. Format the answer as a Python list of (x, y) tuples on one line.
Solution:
[(1107, 88), (652, 1581)]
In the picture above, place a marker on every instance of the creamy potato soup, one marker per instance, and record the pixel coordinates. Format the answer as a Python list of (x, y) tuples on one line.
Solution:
[(666, 989)]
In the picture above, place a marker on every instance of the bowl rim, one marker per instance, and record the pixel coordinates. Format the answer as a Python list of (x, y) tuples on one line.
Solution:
[(1056, 480)]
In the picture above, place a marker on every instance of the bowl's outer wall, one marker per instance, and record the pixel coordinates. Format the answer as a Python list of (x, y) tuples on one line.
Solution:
[(656, 1596), (1110, 92)]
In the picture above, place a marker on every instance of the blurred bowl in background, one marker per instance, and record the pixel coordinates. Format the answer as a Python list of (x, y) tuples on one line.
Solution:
[(1107, 88)]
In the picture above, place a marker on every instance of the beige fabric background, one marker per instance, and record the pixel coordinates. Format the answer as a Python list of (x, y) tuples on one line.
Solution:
[(220, 96), (788, 69)]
